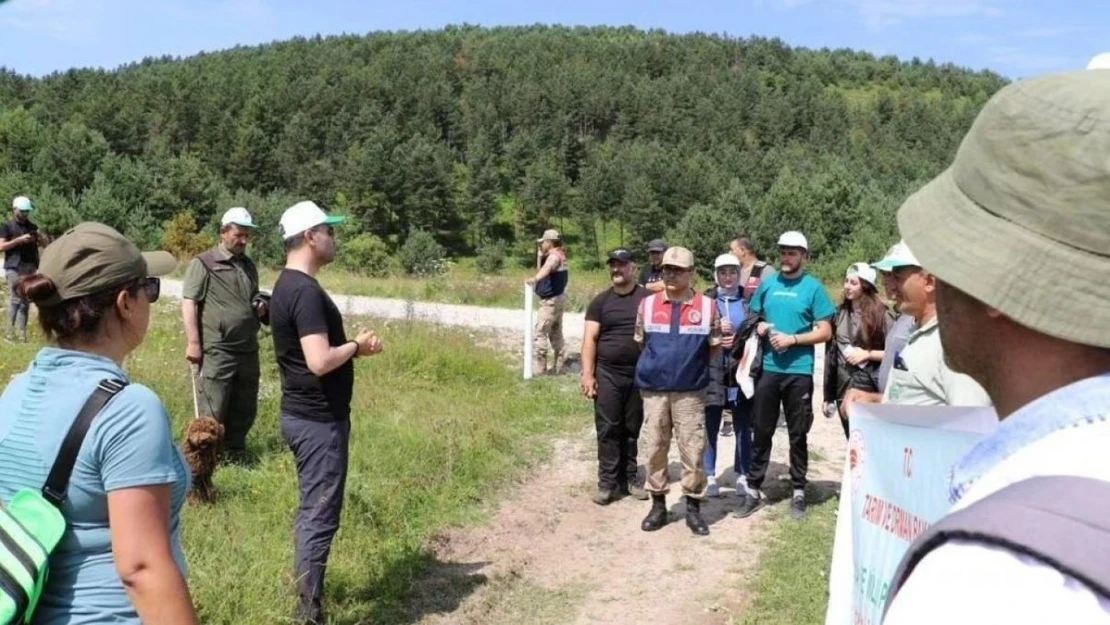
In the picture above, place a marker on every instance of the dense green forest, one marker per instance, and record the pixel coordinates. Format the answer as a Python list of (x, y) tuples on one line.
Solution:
[(484, 137)]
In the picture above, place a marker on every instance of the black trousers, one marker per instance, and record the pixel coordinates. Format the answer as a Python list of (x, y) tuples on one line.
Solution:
[(795, 394), (320, 452), (618, 416)]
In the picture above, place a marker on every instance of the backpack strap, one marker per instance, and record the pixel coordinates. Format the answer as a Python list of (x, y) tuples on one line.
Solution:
[(57, 482), (208, 259), (1062, 521)]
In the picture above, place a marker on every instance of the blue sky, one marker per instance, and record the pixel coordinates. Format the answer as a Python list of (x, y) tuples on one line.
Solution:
[(1016, 38)]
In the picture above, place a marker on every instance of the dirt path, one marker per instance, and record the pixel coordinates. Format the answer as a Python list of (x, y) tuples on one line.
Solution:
[(550, 555), (498, 319)]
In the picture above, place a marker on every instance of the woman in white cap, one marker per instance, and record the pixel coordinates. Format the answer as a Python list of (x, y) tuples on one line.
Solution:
[(723, 392), (859, 334)]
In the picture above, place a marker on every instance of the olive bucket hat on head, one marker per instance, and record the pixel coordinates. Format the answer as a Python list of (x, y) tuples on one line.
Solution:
[(92, 257), (1030, 186)]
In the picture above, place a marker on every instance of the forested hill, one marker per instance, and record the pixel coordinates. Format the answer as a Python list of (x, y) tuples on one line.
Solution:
[(480, 134)]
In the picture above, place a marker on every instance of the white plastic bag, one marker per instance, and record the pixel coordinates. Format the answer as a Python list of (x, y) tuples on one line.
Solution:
[(744, 370)]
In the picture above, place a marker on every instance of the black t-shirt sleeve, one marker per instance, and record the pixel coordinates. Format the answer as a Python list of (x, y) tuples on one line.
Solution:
[(593, 311), (309, 313), (5, 232)]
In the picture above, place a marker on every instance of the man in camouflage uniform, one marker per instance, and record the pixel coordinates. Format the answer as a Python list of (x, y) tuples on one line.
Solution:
[(222, 310), (550, 285)]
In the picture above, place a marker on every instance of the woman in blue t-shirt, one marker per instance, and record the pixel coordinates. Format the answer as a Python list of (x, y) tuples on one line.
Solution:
[(120, 560)]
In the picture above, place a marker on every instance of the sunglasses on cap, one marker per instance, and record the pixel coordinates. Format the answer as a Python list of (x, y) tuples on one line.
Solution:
[(673, 269)]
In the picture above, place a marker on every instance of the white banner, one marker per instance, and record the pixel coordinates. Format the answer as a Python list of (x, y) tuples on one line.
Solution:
[(895, 484)]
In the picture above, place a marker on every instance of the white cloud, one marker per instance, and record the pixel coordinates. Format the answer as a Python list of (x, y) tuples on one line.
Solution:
[(1027, 61), (245, 8), (69, 21), (1048, 32), (879, 14)]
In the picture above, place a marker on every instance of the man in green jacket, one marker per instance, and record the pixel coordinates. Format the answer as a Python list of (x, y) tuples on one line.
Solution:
[(222, 312)]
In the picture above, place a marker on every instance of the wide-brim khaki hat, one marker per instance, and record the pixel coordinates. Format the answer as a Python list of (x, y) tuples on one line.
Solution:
[(1021, 220)]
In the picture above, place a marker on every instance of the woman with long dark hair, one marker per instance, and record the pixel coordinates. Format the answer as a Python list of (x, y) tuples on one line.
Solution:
[(859, 335)]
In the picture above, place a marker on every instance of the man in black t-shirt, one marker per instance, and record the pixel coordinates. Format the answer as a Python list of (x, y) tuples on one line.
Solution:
[(20, 240), (651, 278), (609, 355), (314, 359)]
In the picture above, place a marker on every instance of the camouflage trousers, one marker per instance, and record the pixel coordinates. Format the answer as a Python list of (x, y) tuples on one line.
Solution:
[(548, 343), (681, 415)]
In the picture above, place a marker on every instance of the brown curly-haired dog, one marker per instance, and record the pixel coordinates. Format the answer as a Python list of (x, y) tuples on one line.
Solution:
[(203, 438)]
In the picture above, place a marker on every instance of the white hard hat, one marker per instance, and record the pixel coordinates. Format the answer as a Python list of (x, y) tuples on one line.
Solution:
[(726, 260), (1100, 61), (794, 238)]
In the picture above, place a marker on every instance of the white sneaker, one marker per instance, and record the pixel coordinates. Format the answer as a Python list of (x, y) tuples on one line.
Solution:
[(713, 490)]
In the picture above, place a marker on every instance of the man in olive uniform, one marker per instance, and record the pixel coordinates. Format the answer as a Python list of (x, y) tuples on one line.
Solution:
[(222, 311)]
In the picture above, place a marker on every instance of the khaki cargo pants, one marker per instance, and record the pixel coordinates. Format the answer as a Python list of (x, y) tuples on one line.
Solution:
[(548, 343), (684, 415)]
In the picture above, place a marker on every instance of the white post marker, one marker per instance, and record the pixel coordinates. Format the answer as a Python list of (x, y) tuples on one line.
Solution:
[(528, 332)]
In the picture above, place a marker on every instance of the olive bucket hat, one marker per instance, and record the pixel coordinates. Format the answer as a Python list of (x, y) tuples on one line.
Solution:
[(1029, 187), (92, 257)]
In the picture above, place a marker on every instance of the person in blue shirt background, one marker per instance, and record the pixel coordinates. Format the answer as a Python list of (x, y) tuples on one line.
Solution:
[(723, 392), (796, 312), (120, 559)]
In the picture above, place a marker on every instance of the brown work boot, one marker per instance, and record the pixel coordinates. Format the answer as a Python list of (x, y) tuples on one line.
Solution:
[(604, 497), (539, 366), (560, 363), (634, 490)]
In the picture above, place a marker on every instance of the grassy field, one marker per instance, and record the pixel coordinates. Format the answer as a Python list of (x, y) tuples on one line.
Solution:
[(439, 426), (791, 586)]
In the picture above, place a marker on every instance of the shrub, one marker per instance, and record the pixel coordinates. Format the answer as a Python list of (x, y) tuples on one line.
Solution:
[(491, 257), (181, 238), (365, 254), (422, 255)]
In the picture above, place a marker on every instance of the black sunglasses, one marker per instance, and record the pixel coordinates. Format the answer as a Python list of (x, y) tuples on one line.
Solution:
[(153, 288)]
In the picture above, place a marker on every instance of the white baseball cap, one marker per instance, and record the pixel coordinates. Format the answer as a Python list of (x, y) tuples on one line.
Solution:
[(238, 216), (726, 260), (899, 255), (23, 204), (304, 216), (794, 238), (864, 271)]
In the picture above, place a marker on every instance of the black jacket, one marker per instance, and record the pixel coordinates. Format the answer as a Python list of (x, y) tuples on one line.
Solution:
[(742, 335)]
